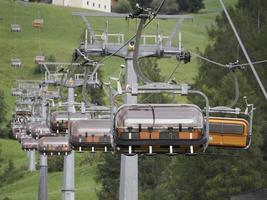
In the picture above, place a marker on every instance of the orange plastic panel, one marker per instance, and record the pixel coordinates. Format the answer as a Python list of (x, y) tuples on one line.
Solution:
[(229, 139), (147, 135), (186, 135), (92, 139)]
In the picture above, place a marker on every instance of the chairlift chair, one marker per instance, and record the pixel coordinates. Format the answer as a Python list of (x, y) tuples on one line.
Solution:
[(15, 132), (37, 23), (23, 113), (234, 129), (54, 146), (30, 126), (20, 135), (39, 59), (15, 28), (21, 119), (41, 130), (93, 134), (59, 120), (228, 132), (16, 92), (29, 144), (23, 135), (15, 62), (160, 128)]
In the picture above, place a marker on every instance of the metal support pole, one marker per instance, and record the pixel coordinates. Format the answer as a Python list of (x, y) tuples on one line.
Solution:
[(129, 164), (43, 111), (42, 195), (32, 161), (68, 188)]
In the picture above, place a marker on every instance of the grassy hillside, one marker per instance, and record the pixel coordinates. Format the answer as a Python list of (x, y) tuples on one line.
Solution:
[(59, 36), (26, 188)]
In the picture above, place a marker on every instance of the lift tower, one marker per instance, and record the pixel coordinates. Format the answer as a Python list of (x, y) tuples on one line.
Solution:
[(27, 90), (59, 78), (130, 53), (44, 97)]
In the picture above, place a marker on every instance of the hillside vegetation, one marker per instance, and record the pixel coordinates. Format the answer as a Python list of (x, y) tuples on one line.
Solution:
[(61, 33), (26, 188)]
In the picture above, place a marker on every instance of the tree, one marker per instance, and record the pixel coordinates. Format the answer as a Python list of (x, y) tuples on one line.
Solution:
[(56, 163), (190, 5), (219, 177), (108, 175), (169, 7)]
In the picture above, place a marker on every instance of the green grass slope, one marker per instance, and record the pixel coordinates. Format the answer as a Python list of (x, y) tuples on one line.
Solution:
[(26, 188), (62, 32), (59, 36)]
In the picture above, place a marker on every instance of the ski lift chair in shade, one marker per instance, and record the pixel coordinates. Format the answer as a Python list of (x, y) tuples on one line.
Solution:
[(41, 130), (15, 28), (91, 135), (54, 146), (37, 23), (39, 59), (30, 126), (59, 120), (15, 62), (16, 92), (29, 144)]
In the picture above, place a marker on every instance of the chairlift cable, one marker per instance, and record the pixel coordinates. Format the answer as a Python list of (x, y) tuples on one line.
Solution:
[(263, 90), (237, 92), (138, 34), (234, 77), (226, 66), (137, 70), (14, 52), (209, 60), (39, 34), (173, 72), (84, 95), (247, 64)]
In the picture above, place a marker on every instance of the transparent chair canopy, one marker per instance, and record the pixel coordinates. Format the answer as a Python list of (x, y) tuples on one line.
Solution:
[(23, 112), (31, 125), (83, 131), (41, 130), (159, 128), (54, 145), (37, 23), (15, 62), (16, 92), (59, 119), (159, 117), (59, 116), (15, 28), (100, 127), (29, 144), (20, 135), (16, 131), (94, 132), (39, 59)]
